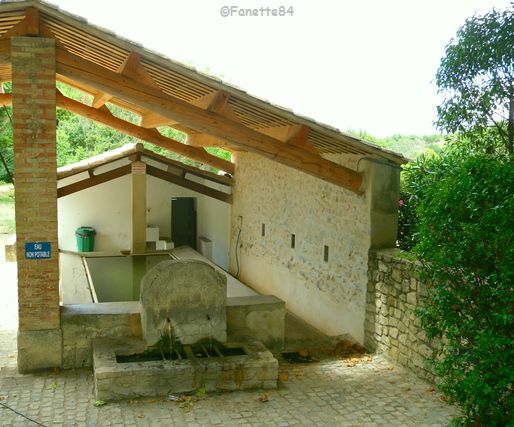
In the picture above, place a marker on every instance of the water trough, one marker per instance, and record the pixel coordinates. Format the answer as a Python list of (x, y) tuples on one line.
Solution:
[(184, 345)]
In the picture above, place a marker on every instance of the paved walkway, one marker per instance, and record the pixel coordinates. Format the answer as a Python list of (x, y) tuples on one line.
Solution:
[(368, 391)]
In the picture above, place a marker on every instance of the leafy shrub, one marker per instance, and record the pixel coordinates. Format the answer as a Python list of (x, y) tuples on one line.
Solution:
[(416, 178), (466, 245)]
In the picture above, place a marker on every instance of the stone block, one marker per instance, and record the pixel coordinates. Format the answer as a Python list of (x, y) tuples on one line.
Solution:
[(187, 298), (412, 298), (81, 323), (39, 350), (261, 317), (396, 275)]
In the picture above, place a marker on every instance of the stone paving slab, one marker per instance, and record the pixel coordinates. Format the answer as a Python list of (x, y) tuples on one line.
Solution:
[(325, 393)]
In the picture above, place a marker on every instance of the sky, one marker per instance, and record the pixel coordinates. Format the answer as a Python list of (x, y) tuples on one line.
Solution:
[(356, 65)]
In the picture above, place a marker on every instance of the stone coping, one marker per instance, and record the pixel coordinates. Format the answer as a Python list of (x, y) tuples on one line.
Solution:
[(134, 307), (256, 369)]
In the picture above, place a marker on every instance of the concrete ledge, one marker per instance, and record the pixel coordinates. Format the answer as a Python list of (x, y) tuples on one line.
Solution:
[(260, 317), (81, 323), (39, 350)]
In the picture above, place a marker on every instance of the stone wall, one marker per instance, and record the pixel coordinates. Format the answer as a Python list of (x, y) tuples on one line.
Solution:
[(329, 294), (392, 327)]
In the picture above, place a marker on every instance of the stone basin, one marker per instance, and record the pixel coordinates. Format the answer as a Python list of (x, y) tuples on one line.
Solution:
[(257, 369)]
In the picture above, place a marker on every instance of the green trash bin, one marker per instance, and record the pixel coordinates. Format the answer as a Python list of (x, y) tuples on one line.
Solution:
[(85, 239)]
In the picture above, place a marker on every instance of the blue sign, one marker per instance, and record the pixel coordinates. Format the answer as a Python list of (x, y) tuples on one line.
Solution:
[(38, 250)]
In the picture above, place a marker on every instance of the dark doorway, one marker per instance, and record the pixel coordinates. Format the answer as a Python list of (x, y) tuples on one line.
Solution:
[(183, 221)]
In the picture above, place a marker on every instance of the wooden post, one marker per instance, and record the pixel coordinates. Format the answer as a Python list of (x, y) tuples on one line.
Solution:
[(138, 204)]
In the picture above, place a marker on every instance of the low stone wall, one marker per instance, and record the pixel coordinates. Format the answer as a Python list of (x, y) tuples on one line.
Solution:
[(260, 317), (81, 323), (392, 327)]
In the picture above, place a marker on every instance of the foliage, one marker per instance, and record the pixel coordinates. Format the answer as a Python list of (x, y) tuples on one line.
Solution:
[(409, 145), (6, 208), (476, 79), (416, 178), (466, 245), (6, 143)]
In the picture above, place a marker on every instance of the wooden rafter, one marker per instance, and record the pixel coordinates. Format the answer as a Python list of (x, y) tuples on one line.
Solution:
[(152, 120), (103, 116), (191, 185), (151, 99), (294, 135), (205, 140), (220, 179), (94, 180), (28, 26), (100, 99), (132, 68)]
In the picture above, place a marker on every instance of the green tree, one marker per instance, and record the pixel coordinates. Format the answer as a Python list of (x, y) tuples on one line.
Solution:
[(476, 79)]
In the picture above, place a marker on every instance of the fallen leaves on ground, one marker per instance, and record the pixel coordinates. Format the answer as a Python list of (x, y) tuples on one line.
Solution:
[(263, 398), (132, 402), (304, 352), (141, 415), (99, 403), (351, 352), (352, 361), (346, 349), (186, 403), (53, 386), (284, 376)]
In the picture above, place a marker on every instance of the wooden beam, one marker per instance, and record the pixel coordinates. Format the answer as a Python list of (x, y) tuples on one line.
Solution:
[(205, 140), (294, 135), (191, 185), (100, 99), (175, 165), (149, 135), (95, 180), (5, 51), (28, 26), (152, 120), (215, 124), (133, 68), (217, 102)]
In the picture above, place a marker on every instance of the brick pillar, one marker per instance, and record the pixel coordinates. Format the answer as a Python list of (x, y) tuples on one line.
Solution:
[(35, 175)]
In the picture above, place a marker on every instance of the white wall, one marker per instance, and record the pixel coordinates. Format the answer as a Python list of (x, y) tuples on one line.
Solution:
[(329, 295), (106, 207)]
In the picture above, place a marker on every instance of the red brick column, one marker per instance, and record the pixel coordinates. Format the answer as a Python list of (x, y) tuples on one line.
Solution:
[(35, 175)]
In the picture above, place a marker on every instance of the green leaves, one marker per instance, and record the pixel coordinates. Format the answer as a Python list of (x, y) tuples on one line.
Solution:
[(466, 246), (476, 77)]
